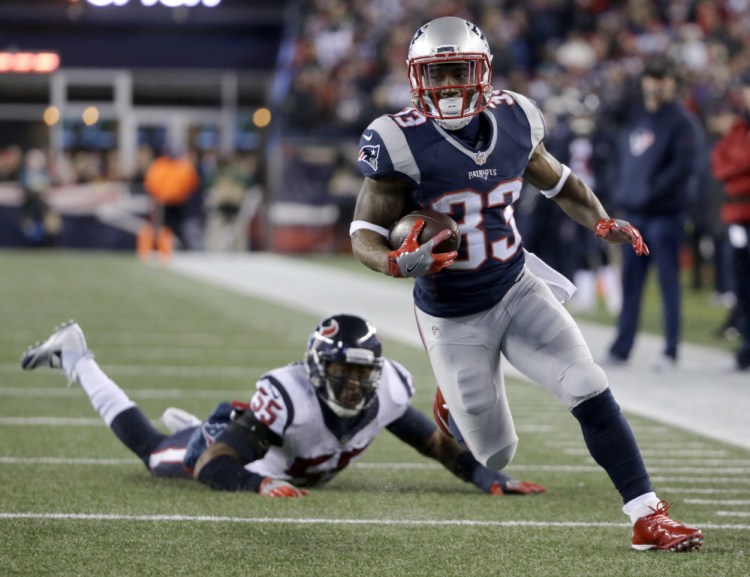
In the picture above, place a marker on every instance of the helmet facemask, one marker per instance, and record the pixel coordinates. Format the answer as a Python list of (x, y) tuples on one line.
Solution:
[(450, 87), (344, 364), (450, 71), (350, 387)]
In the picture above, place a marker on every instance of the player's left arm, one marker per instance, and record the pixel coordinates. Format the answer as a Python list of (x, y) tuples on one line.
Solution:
[(545, 172), (575, 197), (417, 430)]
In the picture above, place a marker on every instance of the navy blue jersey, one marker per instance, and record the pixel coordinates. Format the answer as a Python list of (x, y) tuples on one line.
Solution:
[(476, 186)]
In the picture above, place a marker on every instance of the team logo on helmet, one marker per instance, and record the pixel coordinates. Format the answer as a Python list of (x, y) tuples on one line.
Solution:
[(330, 329), (418, 33), (475, 29)]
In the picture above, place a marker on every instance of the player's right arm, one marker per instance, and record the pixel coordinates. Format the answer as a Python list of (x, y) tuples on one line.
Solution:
[(222, 465), (248, 438), (379, 203)]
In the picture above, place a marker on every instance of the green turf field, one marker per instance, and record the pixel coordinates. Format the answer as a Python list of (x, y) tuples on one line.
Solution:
[(75, 502)]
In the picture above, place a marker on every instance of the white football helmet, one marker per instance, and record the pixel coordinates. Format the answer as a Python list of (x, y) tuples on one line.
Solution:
[(450, 71)]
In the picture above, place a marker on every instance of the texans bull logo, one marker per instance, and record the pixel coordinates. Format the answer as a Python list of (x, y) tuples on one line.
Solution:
[(329, 330)]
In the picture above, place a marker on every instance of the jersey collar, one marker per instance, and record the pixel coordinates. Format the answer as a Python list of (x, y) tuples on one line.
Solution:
[(478, 156)]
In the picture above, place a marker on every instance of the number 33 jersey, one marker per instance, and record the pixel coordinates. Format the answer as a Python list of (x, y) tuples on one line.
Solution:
[(475, 175), (317, 443)]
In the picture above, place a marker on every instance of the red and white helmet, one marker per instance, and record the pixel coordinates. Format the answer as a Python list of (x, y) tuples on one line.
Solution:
[(450, 71)]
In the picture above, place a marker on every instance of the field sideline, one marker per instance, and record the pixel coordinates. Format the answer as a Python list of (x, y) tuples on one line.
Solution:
[(73, 501), (677, 397)]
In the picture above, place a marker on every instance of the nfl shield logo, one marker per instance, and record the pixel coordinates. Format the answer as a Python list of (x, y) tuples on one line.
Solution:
[(435, 332), (480, 158)]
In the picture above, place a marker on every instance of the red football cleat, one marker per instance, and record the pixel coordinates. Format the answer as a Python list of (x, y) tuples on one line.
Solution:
[(659, 531)]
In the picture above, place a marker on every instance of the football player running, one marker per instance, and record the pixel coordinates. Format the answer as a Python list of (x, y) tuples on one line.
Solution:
[(466, 149), (306, 421)]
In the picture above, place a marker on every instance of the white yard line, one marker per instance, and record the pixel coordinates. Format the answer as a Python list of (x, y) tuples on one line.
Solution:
[(176, 371), (66, 461), (50, 422), (670, 451), (334, 521), (406, 465), (709, 481), (216, 394), (703, 491), (725, 502), (732, 513)]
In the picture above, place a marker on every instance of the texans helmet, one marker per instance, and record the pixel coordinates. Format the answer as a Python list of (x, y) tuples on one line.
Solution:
[(344, 363), (450, 71)]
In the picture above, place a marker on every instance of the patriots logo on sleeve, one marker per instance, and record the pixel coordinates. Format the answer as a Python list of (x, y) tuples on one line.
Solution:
[(369, 154)]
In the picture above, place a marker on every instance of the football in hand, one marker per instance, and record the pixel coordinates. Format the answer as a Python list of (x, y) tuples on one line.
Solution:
[(434, 222)]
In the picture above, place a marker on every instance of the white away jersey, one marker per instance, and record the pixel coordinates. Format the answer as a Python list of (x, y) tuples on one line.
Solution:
[(314, 448)]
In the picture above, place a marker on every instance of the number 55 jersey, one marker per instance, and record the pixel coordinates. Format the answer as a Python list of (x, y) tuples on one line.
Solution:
[(474, 174), (317, 443)]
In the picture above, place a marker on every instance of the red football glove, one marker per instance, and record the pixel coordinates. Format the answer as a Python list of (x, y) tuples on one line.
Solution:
[(514, 487), (412, 259), (279, 488), (621, 231)]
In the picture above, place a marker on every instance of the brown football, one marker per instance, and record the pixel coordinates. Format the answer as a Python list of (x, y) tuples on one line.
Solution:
[(434, 222)]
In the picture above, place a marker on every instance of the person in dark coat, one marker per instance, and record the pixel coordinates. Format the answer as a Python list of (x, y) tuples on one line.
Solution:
[(659, 148)]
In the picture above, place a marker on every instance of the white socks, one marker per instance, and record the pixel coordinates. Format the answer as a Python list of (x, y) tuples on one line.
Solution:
[(69, 357), (641, 506), (107, 398)]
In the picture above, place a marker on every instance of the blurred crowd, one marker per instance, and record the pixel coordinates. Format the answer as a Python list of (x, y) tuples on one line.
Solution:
[(580, 60), (219, 194), (571, 56)]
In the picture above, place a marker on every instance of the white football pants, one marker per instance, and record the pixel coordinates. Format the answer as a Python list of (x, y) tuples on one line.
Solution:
[(537, 336)]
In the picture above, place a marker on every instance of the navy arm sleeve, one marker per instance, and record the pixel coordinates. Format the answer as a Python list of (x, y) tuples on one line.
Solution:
[(225, 473), (413, 428), (249, 440)]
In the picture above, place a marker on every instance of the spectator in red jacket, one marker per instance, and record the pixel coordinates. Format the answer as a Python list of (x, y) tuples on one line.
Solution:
[(730, 162)]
